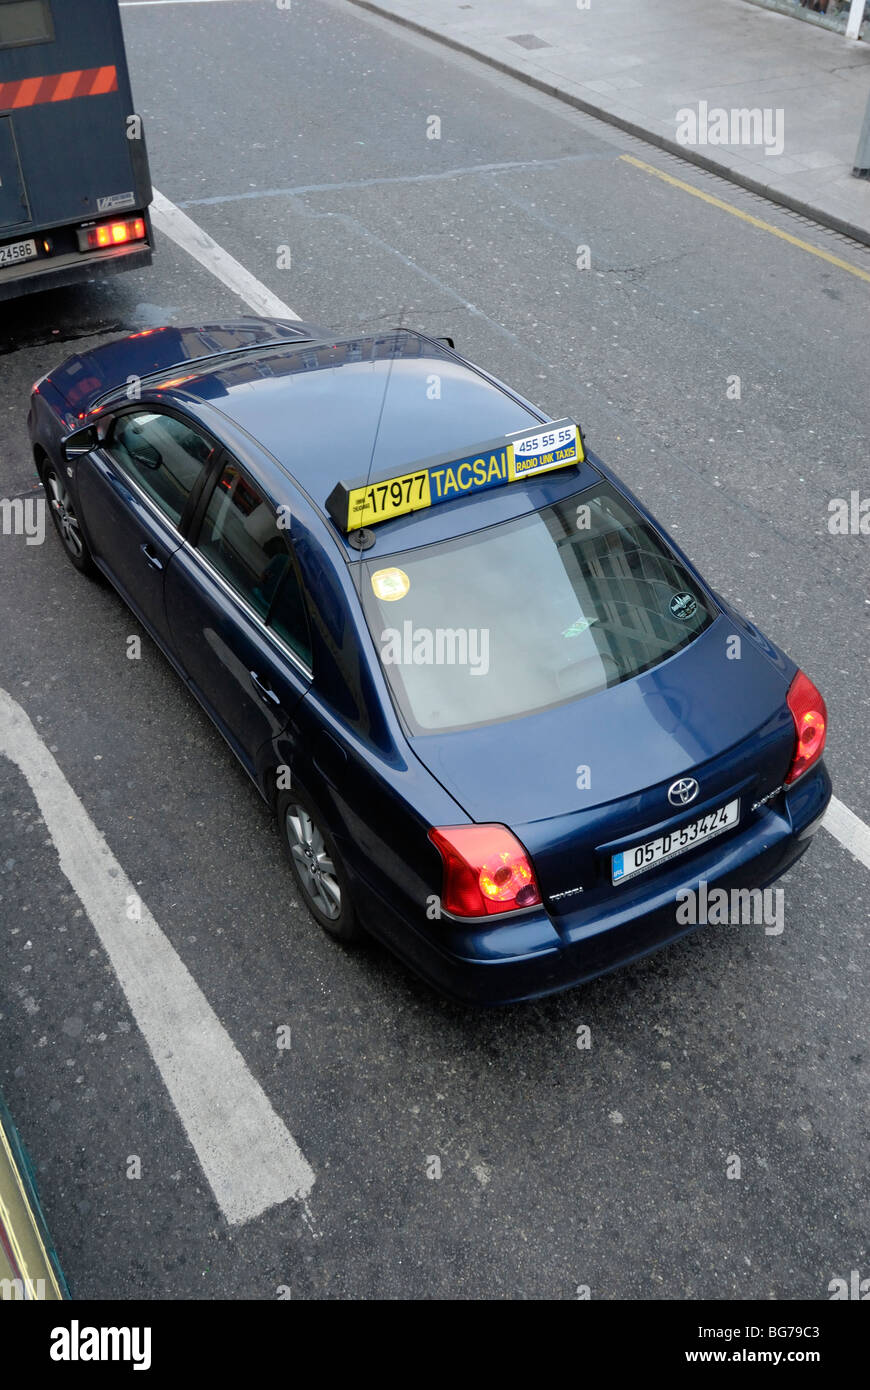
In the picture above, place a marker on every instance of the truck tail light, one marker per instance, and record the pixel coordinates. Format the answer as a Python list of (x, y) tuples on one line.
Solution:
[(486, 870), (810, 717), (104, 234)]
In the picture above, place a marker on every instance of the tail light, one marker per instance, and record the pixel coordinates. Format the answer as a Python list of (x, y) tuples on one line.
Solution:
[(486, 870), (104, 234), (810, 717)]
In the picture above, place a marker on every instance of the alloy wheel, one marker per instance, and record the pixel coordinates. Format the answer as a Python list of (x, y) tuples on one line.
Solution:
[(313, 861), (64, 515)]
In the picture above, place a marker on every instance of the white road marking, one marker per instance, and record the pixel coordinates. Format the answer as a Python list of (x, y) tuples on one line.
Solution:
[(852, 833), (250, 1159), (174, 223)]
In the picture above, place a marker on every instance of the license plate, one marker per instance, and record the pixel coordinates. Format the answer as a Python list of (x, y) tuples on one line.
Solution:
[(639, 858), (18, 251)]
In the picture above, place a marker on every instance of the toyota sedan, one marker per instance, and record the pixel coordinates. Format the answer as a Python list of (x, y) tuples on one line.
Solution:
[(503, 723)]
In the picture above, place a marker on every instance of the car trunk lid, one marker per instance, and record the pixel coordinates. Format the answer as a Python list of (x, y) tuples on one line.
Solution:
[(581, 781)]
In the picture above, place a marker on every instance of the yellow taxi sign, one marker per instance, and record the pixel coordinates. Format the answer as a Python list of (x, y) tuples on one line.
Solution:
[(513, 458), (387, 498)]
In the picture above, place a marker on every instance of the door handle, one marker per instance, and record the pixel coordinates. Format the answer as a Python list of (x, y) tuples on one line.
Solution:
[(264, 691), (152, 557)]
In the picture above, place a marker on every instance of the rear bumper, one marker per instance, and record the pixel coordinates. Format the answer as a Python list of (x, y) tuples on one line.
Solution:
[(51, 274), (537, 954)]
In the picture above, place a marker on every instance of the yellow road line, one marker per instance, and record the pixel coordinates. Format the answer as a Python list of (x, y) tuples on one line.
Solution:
[(747, 217)]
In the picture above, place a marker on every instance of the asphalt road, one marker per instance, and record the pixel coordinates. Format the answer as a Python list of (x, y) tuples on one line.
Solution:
[(560, 1167)]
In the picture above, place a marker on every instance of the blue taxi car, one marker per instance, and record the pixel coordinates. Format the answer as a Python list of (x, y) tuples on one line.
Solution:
[(501, 719)]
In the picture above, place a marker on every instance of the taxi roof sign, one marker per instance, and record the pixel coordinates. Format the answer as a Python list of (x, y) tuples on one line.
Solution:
[(509, 459)]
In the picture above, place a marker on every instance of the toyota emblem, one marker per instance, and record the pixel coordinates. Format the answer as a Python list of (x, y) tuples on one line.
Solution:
[(684, 790)]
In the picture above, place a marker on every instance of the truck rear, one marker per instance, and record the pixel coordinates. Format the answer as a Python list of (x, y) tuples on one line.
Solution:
[(75, 186)]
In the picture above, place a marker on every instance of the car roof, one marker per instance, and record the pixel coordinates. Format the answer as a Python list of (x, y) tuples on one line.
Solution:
[(344, 410), (330, 411)]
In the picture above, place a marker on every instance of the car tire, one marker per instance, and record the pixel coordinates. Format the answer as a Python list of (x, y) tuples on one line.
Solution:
[(317, 867), (63, 514)]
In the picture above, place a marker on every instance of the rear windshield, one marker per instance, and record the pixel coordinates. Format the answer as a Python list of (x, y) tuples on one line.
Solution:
[(528, 614)]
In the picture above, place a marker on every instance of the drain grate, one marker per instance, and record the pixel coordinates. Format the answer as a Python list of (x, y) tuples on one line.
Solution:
[(528, 41)]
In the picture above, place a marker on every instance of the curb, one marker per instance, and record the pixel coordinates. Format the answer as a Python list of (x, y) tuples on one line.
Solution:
[(853, 230)]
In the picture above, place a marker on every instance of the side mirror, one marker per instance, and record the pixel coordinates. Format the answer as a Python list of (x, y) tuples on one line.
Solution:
[(80, 442), (449, 341)]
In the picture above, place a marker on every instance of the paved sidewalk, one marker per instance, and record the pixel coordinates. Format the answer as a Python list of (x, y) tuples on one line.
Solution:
[(638, 63)]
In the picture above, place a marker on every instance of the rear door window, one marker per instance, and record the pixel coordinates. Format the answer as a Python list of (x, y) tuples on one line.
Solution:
[(241, 538)]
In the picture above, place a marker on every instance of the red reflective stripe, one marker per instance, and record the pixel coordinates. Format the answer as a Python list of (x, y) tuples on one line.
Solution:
[(27, 90), (106, 80), (60, 86), (82, 86), (65, 86), (44, 91)]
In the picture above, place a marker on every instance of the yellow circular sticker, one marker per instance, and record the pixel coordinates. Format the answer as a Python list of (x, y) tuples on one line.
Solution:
[(390, 584)]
